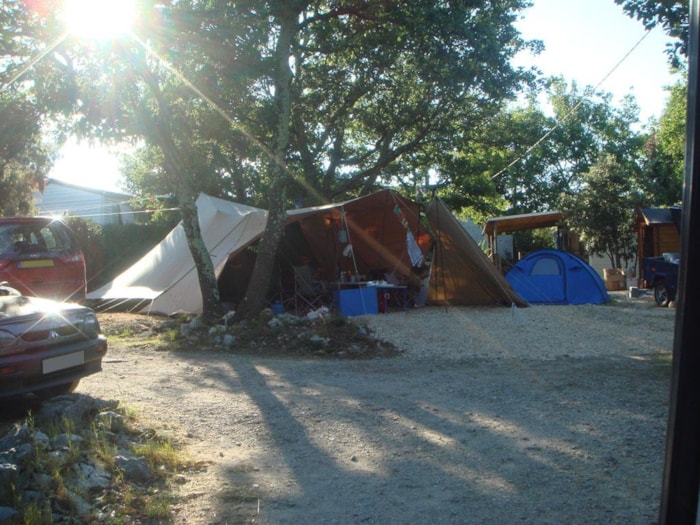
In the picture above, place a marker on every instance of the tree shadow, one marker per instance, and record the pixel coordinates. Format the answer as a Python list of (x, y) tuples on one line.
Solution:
[(385, 442)]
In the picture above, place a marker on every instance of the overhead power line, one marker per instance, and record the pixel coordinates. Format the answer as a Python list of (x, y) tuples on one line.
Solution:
[(573, 109)]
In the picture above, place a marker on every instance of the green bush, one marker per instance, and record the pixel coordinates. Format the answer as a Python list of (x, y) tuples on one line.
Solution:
[(89, 236)]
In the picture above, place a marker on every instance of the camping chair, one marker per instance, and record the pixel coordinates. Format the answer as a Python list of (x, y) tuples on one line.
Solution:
[(309, 293)]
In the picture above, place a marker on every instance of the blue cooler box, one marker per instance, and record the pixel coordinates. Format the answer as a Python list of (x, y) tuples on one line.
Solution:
[(356, 301)]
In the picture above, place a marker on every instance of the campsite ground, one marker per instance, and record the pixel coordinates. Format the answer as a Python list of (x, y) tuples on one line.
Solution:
[(549, 414)]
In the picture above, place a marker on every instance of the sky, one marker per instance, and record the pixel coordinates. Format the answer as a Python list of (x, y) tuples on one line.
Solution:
[(584, 41)]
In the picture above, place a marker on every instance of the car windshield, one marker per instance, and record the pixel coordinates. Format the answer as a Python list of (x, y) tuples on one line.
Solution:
[(33, 238)]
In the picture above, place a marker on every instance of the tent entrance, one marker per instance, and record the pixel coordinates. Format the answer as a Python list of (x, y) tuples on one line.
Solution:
[(547, 275)]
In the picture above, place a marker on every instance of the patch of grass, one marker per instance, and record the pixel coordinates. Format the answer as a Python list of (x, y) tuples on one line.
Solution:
[(169, 335), (161, 455), (102, 447), (158, 506), (34, 514)]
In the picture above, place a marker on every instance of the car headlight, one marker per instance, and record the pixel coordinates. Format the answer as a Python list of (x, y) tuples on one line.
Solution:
[(91, 327)]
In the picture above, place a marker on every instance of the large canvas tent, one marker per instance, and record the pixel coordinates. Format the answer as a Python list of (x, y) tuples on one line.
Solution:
[(374, 236), (165, 279)]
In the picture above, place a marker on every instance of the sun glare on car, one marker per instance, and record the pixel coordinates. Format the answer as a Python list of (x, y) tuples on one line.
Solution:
[(99, 19)]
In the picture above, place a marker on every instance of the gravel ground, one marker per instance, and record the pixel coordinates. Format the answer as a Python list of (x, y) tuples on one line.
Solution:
[(546, 415)]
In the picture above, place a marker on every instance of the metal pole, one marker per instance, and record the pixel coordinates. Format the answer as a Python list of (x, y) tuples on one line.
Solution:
[(681, 481)]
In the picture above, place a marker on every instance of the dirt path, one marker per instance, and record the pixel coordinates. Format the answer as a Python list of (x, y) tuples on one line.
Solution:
[(448, 436)]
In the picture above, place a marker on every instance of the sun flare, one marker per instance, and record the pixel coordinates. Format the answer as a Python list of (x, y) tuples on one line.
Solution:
[(100, 19)]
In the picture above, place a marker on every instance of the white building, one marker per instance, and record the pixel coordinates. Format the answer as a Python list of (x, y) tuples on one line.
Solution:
[(100, 206)]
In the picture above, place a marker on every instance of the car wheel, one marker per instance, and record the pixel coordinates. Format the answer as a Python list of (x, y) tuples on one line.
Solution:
[(661, 295), (58, 390)]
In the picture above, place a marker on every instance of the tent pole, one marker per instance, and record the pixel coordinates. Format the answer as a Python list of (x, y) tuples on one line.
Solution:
[(494, 247)]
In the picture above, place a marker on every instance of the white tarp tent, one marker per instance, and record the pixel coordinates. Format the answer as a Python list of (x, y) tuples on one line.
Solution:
[(165, 279)]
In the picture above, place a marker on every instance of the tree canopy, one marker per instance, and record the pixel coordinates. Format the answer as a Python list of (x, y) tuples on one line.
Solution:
[(278, 102), (602, 210), (31, 106), (671, 15)]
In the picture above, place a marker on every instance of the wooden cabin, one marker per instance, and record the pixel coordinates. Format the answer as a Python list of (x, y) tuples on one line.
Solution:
[(658, 232)]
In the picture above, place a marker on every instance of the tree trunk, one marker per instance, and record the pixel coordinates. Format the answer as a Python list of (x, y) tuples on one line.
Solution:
[(261, 277), (159, 133), (212, 310)]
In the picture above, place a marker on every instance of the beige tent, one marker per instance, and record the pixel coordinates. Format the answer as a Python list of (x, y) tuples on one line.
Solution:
[(165, 280), (378, 234)]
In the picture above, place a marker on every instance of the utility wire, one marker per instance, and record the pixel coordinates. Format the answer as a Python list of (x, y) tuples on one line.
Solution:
[(84, 215), (73, 204), (573, 109)]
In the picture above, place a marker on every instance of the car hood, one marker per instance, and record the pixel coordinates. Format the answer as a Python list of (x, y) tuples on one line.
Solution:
[(20, 305)]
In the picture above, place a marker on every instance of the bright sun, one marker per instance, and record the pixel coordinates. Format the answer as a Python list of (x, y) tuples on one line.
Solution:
[(101, 19)]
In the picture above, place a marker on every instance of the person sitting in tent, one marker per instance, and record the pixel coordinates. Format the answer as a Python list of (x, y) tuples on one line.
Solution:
[(308, 272)]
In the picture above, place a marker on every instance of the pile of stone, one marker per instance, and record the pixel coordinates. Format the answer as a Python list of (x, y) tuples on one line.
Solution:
[(57, 473)]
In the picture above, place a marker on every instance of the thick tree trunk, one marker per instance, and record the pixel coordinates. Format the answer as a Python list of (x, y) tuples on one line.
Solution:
[(261, 278), (212, 310), (159, 133)]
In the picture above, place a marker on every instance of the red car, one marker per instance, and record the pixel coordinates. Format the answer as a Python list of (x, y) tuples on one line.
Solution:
[(40, 256)]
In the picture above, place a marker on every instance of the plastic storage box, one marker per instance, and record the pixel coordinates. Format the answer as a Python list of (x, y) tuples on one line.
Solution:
[(356, 301)]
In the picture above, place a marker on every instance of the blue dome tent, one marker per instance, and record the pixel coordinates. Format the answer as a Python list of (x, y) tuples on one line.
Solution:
[(556, 277)]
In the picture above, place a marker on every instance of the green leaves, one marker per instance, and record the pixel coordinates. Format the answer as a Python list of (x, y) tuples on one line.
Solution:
[(671, 15), (603, 208)]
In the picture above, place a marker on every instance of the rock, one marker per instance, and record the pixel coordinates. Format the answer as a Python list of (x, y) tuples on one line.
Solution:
[(196, 323), (73, 407), (180, 479), (42, 481), (9, 516), (318, 340), (66, 442), (111, 421), (21, 455), (216, 330), (41, 440), (17, 435), (9, 478), (90, 477), (59, 458), (134, 469), (81, 507)]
